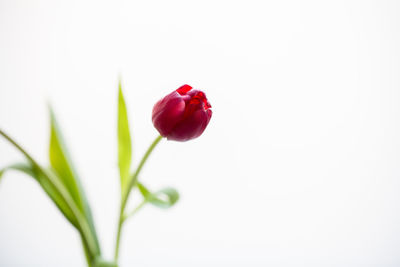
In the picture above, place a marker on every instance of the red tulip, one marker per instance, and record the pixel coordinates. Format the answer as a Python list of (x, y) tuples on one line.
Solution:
[(182, 115)]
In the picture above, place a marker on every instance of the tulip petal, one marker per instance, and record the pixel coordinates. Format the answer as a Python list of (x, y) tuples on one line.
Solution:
[(184, 89), (191, 127), (168, 112)]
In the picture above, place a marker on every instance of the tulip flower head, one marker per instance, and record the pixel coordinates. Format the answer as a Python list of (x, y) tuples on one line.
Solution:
[(182, 115)]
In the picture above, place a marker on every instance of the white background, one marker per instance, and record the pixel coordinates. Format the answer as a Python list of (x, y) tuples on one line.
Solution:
[(299, 166)]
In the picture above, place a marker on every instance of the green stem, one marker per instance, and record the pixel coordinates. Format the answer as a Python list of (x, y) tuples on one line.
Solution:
[(83, 226), (125, 195)]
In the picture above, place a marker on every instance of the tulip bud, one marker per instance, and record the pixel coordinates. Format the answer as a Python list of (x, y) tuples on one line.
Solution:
[(182, 115)]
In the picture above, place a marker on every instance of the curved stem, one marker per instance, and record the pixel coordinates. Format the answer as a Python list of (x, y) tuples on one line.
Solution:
[(139, 168), (83, 228), (125, 195)]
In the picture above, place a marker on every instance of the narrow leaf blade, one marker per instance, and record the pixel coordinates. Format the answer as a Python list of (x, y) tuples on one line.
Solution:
[(50, 190), (124, 140), (23, 167), (62, 165)]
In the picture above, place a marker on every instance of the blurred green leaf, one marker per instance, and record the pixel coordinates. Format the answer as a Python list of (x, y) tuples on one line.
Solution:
[(124, 141), (164, 198), (47, 186), (62, 165), (23, 167), (86, 250), (99, 262), (57, 189), (144, 191)]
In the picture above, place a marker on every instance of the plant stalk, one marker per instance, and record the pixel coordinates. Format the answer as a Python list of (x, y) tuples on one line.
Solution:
[(126, 194)]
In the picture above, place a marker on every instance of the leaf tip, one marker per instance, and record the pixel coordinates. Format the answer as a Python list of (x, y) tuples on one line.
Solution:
[(120, 83)]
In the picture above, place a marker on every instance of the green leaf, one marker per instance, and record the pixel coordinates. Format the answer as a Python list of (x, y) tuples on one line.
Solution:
[(124, 141), (164, 198), (23, 167), (47, 186), (144, 191), (86, 251), (62, 165), (99, 262), (55, 188)]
